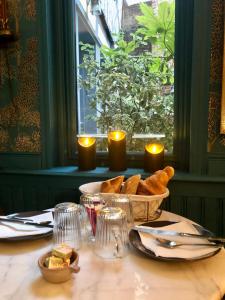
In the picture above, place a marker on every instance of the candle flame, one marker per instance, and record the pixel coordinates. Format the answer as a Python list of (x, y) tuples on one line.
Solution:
[(86, 141), (117, 135), (154, 148)]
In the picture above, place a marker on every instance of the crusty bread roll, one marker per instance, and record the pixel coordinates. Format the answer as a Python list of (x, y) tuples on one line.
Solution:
[(131, 184), (162, 176), (112, 185), (143, 188), (169, 171), (152, 185), (156, 184)]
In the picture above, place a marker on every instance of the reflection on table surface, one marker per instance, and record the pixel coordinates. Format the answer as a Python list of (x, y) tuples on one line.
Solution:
[(133, 277)]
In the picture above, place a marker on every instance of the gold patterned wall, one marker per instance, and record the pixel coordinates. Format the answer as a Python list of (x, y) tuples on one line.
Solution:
[(216, 141), (19, 86)]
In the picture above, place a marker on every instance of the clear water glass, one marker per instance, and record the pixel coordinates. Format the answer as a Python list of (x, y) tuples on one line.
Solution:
[(123, 201), (92, 203), (111, 239), (86, 229), (67, 225)]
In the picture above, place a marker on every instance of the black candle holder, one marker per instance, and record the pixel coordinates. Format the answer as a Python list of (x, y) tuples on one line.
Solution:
[(86, 153), (153, 157), (117, 150)]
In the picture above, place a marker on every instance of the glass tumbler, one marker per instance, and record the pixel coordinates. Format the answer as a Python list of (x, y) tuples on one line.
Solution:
[(123, 202), (111, 239), (67, 225), (92, 203), (86, 230)]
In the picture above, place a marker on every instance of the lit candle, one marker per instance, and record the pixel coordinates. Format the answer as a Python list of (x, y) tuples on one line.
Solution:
[(86, 153), (154, 157), (117, 150)]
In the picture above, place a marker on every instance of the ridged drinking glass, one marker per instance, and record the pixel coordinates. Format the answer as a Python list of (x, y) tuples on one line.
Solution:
[(123, 202), (67, 224), (111, 239), (92, 203)]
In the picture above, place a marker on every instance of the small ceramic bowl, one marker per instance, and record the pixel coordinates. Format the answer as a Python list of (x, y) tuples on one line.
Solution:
[(60, 274)]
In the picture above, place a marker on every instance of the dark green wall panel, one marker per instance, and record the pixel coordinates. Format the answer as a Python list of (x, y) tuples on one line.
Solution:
[(200, 199), (194, 209)]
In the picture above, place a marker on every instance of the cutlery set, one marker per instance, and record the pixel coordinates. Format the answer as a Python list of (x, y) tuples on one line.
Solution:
[(26, 222), (173, 244), (167, 242)]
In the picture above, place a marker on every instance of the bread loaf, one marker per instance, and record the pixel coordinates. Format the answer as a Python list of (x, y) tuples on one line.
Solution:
[(112, 185), (169, 171), (153, 185), (143, 188), (162, 177), (131, 184)]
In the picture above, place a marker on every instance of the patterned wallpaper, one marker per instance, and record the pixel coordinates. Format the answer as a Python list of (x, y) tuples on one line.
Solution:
[(19, 90), (216, 141)]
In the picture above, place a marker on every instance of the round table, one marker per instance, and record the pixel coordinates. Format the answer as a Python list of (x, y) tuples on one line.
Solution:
[(133, 277)]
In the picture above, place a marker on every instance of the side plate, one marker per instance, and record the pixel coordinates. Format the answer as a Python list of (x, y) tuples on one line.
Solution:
[(135, 241)]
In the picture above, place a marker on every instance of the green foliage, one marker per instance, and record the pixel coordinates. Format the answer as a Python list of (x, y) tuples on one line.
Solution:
[(159, 28), (128, 90)]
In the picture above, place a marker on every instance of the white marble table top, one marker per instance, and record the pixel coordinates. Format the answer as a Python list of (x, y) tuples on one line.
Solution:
[(134, 277)]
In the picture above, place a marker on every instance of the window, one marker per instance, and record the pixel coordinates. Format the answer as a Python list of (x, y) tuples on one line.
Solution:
[(84, 108), (58, 99), (125, 59)]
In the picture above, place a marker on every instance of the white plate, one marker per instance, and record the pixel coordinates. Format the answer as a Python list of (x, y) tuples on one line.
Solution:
[(135, 241), (10, 231)]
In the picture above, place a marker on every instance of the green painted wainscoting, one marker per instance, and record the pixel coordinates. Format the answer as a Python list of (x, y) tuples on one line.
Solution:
[(199, 198)]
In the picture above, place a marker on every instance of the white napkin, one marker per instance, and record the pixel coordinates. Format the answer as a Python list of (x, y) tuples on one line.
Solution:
[(10, 229), (189, 251)]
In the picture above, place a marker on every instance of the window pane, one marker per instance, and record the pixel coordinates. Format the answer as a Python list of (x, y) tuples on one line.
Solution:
[(126, 71)]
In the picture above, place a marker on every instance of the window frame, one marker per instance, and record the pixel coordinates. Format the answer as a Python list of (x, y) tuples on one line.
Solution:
[(193, 19)]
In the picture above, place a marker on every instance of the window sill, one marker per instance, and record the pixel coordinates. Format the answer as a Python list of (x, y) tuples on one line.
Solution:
[(104, 173)]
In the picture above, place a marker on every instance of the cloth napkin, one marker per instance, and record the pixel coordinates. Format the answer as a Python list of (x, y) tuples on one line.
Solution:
[(12, 230), (188, 252)]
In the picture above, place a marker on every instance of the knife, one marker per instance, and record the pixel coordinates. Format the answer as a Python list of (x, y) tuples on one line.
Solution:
[(169, 233), (40, 224)]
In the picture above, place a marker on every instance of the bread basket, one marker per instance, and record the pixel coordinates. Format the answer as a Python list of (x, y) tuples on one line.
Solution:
[(145, 208)]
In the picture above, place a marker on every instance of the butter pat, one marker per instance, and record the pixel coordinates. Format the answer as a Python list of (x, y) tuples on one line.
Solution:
[(53, 262), (63, 251)]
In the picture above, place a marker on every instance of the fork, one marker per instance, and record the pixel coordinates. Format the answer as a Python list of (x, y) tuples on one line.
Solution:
[(174, 244)]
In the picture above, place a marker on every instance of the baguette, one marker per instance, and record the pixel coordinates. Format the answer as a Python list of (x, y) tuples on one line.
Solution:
[(153, 185), (131, 184), (169, 171), (162, 177), (112, 185)]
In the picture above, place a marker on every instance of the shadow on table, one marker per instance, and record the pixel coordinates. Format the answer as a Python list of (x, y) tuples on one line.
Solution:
[(44, 289)]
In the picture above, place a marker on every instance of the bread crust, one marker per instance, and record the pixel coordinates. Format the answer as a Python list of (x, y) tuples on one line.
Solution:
[(162, 176), (154, 185), (131, 184), (169, 171), (112, 185), (143, 188)]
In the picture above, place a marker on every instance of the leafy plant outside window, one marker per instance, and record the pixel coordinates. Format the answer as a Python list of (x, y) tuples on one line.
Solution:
[(130, 90)]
